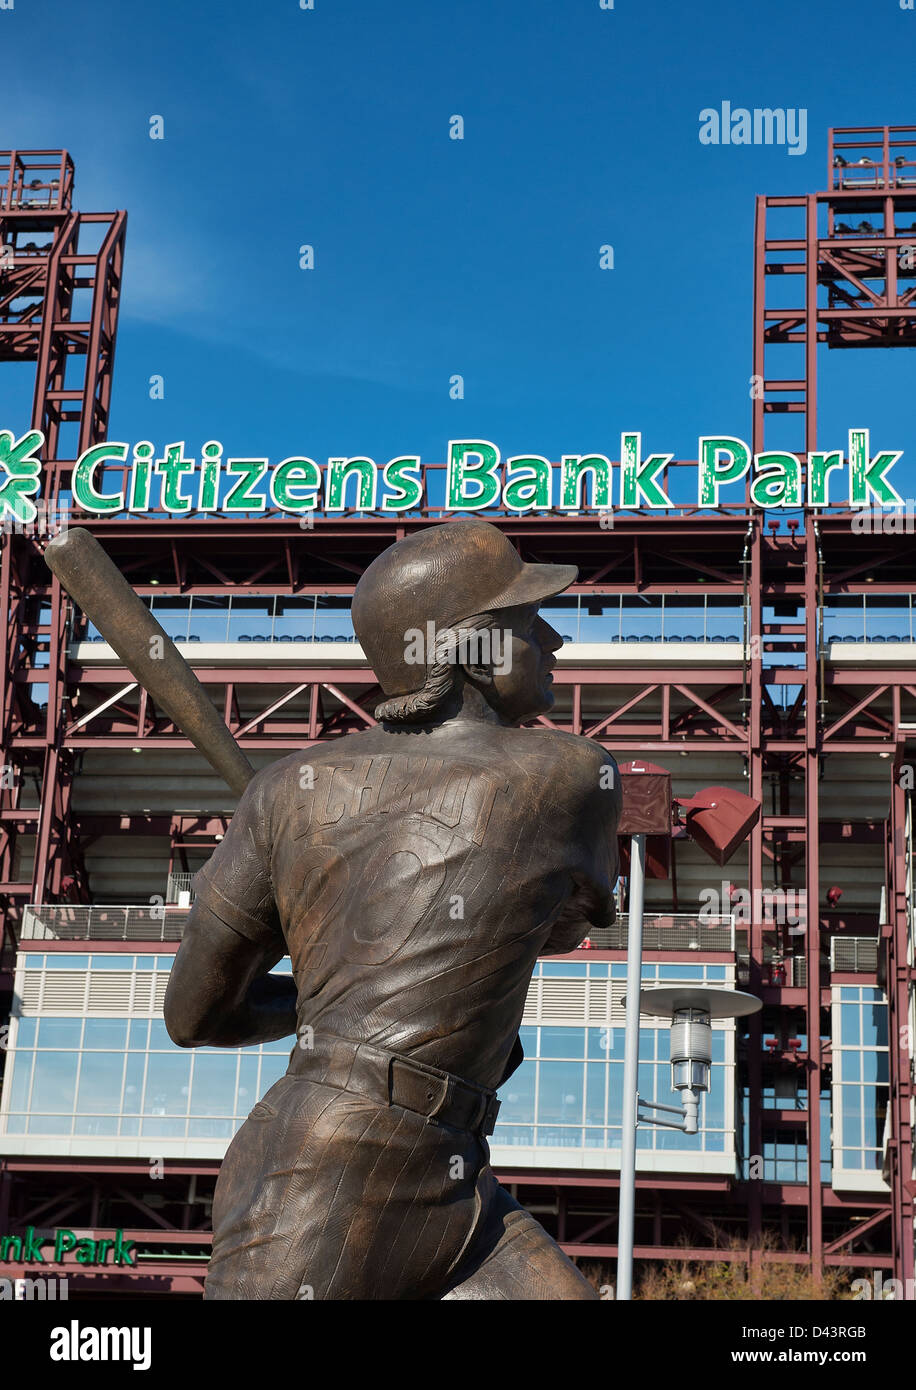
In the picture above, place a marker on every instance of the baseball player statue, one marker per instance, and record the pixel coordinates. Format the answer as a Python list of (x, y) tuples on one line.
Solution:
[(413, 873)]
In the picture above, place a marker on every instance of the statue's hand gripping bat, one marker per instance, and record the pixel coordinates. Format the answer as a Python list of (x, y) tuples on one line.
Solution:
[(97, 585)]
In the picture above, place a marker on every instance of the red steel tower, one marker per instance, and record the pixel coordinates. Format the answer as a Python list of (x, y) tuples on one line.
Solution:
[(60, 286)]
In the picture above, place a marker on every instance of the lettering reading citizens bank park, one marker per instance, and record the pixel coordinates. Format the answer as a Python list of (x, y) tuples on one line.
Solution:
[(112, 478)]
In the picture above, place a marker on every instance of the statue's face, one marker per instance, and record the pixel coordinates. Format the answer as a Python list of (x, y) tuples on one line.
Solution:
[(521, 682)]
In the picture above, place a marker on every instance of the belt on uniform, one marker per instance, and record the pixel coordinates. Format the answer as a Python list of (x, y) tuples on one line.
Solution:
[(393, 1079)]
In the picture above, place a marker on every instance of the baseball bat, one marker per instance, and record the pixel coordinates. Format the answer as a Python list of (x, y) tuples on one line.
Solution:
[(98, 586)]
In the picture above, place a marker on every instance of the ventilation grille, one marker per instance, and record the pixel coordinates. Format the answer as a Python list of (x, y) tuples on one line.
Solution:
[(93, 992), (858, 954), (575, 1002)]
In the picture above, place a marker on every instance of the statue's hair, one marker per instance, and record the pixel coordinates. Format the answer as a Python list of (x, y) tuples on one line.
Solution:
[(426, 705)]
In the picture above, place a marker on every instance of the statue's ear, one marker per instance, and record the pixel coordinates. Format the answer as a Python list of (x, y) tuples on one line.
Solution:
[(479, 673)]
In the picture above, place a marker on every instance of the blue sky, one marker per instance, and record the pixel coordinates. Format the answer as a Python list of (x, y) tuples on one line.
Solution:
[(433, 256)]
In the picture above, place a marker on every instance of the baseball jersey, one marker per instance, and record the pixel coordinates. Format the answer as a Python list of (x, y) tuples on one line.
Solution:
[(415, 876)]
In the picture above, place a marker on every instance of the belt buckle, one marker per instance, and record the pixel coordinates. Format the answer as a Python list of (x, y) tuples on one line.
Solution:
[(447, 1092)]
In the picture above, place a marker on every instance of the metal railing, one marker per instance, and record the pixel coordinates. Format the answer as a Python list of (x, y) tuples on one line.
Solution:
[(62, 922), (670, 931), (178, 884)]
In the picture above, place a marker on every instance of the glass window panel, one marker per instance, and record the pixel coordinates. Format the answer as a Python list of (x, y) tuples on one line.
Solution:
[(641, 617), (272, 1068), (105, 1033), (114, 961), (517, 1096), (21, 1063), (26, 1032), (101, 1074), (34, 962), (146, 962), (850, 1025), (715, 1100), (247, 1084), (869, 1066), (567, 969), (529, 1040), (133, 1082), (646, 1083), (210, 1129), (209, 617), (558, 1137), (162, 1129), (95, 1124), (66, 962), (850, 1065), (60, 1032), (213, 1089), (332, 617), (871, 1127), (513, 1134), (563, 614), (599, 619), (874, 1025), (615, 1093), (139, 1032), (173, 612), (167, 1085), (595, 1139), (714, 1142), (54, 1082), (718, 1045), (560, 1092), (852, 1130), (130, 1126), (165, 962), (16, 1124), (58, 1124), (562, 1042), (158, 1037), (606, 1043), (596, 1080)]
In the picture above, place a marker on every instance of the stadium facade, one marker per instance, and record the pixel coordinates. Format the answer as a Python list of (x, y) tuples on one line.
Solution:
[(730, 649)]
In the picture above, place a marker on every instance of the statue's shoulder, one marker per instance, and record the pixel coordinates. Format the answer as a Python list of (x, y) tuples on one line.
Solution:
[(583, 755)]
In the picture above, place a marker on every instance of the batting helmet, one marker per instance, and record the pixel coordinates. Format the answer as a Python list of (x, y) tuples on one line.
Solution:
[(443, 574)]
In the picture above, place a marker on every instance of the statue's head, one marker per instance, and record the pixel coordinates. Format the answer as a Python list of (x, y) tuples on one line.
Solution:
[(453, 606)]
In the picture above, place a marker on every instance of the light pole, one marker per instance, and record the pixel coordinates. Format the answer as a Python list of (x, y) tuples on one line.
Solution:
[(690, 1009), (718, 820)]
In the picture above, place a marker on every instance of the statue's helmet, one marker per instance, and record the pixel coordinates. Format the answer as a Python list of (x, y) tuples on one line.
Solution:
[(443, 574)]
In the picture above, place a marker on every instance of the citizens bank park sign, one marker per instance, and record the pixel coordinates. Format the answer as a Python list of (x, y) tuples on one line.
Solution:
[(476, 479)]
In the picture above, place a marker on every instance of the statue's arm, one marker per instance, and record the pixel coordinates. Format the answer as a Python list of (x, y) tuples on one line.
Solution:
[(596, 857), (220, 991)]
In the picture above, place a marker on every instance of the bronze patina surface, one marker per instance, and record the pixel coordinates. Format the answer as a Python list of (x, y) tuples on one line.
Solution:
[(414, 873)]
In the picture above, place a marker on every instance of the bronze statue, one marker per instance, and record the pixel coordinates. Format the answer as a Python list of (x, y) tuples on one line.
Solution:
[(414, 873)]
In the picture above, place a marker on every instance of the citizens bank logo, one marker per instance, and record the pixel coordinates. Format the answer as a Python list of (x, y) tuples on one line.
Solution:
[(75, 1343)]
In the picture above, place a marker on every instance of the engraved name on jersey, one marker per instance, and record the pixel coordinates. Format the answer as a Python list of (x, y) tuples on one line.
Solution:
[(458, 795)]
